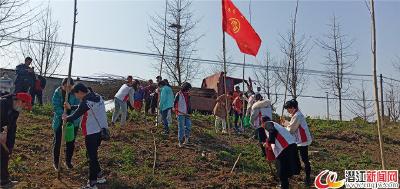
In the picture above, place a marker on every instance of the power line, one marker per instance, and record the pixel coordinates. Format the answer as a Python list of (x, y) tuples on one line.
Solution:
[(206, 61)]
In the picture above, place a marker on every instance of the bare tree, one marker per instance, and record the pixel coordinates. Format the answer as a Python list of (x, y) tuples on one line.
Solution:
[(295, 56), (40, 45), (267, 80), (15, 17), (339, 61), (363, 108), (396, 63), (393, 102), (180, 40)]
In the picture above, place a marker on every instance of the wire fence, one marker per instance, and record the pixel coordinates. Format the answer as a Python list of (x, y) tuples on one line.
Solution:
[(310, 72)]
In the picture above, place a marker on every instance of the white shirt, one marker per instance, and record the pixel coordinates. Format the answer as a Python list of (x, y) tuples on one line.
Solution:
[(124, 91), (298, 120)]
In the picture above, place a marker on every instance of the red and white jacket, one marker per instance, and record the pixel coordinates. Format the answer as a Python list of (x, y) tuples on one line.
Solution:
[(259, 110), (182, 103), (298, 127), (281, 139)]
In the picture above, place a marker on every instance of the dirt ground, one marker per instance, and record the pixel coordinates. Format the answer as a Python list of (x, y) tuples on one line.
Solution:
[(128, 158)]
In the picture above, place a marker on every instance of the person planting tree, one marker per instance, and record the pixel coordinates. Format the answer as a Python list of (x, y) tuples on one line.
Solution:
[(94, 120), (124, 94), (298, 127), (58, 108), (282, 144)]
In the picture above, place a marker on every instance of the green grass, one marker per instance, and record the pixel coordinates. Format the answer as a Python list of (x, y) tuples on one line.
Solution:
[(44, 110)]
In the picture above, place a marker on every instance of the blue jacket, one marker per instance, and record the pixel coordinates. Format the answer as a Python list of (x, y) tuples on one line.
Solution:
[(58, 107), (166, 98), (138, 94)]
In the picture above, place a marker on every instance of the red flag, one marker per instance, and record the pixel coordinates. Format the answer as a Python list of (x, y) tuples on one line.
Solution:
[(236, 25)]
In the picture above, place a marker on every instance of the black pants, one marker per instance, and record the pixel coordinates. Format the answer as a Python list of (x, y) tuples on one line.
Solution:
[(70, 146), (38, 95), (287, 165), (4, 158), (262, 138), (237, 116), (148, 105), (22, 87), (92, 143), (304, 158), (154, 103)]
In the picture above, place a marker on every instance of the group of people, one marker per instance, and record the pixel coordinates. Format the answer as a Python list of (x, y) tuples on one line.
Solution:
[(85, 110), (26, 81), (158, 96), (280, 142)]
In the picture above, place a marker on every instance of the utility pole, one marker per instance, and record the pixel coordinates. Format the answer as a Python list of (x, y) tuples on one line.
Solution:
[(327, 106), (382, 104)]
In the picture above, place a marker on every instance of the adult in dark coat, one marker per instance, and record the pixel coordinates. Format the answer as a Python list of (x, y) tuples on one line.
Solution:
[(10, 107), (25, 76)]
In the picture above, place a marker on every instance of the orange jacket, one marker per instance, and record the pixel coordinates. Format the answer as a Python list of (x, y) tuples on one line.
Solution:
[(238, 104)]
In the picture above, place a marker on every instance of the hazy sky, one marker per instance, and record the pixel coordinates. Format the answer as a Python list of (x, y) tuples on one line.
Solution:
[(124, 24)]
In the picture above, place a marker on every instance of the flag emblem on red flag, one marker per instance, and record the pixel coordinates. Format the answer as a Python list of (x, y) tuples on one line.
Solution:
[(236, 25)]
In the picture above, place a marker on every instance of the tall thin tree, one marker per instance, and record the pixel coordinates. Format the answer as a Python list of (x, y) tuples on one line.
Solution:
[(295, 52), (40, 44), (361, 108), (68, 83), (371, 7), (180, 41), (338, 58)]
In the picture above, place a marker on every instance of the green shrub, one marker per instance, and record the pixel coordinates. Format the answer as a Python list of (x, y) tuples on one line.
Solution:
[(44, 110)]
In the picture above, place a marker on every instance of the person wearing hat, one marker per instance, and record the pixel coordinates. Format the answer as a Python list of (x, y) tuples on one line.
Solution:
[(298, 127), (10, 105), (182, 107), (58, 108), (282, 145), (94, 119)]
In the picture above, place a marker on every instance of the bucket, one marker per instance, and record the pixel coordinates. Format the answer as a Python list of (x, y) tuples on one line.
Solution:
[(246, 122), (69, 132)]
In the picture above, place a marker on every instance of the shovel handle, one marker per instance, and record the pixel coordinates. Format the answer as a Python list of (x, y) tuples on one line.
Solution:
[(5, 148)]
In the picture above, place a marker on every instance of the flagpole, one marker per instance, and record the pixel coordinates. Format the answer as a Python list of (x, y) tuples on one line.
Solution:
[(225, 88), (67, 89), (243, 111)]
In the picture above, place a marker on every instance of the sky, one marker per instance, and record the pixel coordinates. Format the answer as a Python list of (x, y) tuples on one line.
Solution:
[(123, 24)]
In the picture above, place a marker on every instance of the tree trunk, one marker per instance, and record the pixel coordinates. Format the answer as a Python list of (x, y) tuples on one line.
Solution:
[(376, 97)]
